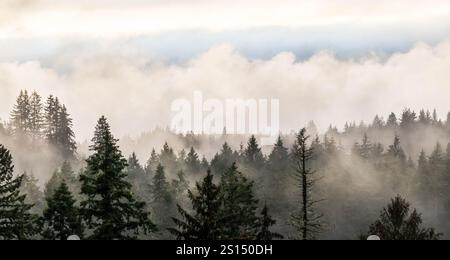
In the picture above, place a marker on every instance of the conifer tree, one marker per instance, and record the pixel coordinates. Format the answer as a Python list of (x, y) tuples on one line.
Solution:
[(64, 174), (253, 156), (206, 222), (20, 116), (65, 135), (265, 223), (223, 160), (16, 221), (137, 177), (306, 221), (51, 109), (36, 119), (397, 222), (392, 121), (192, 162), (34, 196), (110, 210), (239, 205), (162, 201), (61, 218), (152, 163)]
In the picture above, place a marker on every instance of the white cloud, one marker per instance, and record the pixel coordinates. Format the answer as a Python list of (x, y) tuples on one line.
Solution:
[(135, 93), (127, 18)]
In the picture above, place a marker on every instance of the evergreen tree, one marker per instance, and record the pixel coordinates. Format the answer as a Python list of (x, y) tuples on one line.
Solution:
[(138, 178), (392, 121), (34, 196), (223, 160), (307, 221), (239, 205), (206, 223), (265, 223), (253, 156), (20, 116), (110, 209), (163, 202), (16, 221), (192, 162), (64, 174), (396, 151), (279, 157), (51, 114), (396, 222), (65, 135), (61, 218), (36, 119), (152, 163)]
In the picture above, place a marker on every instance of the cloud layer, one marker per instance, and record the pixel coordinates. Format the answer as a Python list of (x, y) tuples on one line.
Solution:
[(136, 92), (113, 18)]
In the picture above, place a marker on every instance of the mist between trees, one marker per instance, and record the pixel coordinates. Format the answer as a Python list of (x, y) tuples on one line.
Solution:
[(365, 179)]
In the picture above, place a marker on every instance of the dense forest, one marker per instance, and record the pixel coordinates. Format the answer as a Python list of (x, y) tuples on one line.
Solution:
[(388, 178)]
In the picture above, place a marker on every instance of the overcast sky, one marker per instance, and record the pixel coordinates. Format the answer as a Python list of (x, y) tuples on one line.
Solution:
[(319, 57)]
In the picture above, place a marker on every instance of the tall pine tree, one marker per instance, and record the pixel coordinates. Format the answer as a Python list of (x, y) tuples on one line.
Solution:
[(110, 210)]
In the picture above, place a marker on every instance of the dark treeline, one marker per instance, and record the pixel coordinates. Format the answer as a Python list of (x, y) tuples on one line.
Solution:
[(306, 186)]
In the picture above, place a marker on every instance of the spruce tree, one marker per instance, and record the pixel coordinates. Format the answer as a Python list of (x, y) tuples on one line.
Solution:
[(20, 116), (306, 221), (51, 114), (61, 218), (206, 222), (252, 155), (64, 174), (392, 121), (152, 163), (265, 223), (239, 205), (223, 160), (110, 210), (192, 162), (34, 196), (137, 177), (64, 134), (397, 222), (16, 221), (162, 201), (36, 119)]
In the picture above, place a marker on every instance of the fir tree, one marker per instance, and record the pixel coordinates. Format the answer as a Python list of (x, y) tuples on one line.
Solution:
[(61, 218), (265, 223), (152, 163), (137, 177), (396, 222), (64, 174), (34, 196), (206, 223), (192, 162), (162, 201), (16, 221), (65, 135), (20, 116), (110, 210), (36, 118), (223, 160), (239, 205), (306, 221), (392, 121), (253, 156)]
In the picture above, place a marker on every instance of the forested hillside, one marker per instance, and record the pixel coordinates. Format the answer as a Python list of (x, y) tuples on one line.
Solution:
[(341, 184)]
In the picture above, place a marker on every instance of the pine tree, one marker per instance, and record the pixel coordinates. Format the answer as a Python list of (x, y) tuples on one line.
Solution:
[(192, 162), (110, 209), (223, 160), (396, 150), (20, 116), (65, 135), (61, 218), (206, 223), (64, 174), (239, 205), (397, 223), (252, 155), (34, 196), (265, 223), (306, 221), (152, 163), (162, 201), (137, 177), (36, 119), (392, 121), (16, 221), (51, 109)]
